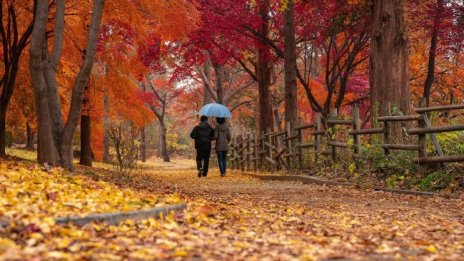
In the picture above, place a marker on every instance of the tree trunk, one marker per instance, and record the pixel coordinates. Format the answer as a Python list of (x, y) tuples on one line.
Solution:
[(163, 144), (388, 60), (430, 68), (264, 71), (81, 82), (86, 149), (206, 94), (8, 84), (219, 71), (432, 54), (116, 137), (143, 145), (47, 152), (2, 133), (291, 114), (30, 137), (106, 138)]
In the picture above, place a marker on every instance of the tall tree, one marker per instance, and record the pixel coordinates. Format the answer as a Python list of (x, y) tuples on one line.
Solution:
[(388, 59), (161, 93), (432, 53), (15, 31), (55, 136), (263, 68), (439, 21), (291, 106)]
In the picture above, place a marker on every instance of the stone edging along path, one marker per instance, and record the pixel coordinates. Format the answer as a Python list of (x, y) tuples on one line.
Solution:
[(313, 180), (115, 218)]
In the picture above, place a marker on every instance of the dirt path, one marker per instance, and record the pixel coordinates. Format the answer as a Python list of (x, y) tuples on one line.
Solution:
[(238, 217)]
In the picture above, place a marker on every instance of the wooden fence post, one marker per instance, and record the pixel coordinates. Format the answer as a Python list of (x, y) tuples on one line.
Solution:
[(333, 115), (386, 136), (422, 139), (317, 137), (237, 151), (386, 131), (275, 142), (232, 153), (248, 151), (300, 144), (262, 152), (255, 152), (231, 157), (241, 153), (269, 140), (356, 143), (288, 145)]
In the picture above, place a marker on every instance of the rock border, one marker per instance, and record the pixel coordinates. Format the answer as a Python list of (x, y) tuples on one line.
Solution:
[(115, 218), (318, 181)]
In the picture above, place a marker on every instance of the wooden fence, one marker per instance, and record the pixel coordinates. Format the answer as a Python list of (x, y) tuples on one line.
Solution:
[(286, 149)]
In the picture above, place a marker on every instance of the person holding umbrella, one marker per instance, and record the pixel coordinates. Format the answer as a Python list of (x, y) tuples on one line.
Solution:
[(202, 134), (222, 137)]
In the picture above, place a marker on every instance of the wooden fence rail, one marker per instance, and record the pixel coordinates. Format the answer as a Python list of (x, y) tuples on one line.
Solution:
[(287, 149)]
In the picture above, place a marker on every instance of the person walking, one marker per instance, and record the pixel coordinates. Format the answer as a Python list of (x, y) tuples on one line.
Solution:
[(222, 137), (202, 134)]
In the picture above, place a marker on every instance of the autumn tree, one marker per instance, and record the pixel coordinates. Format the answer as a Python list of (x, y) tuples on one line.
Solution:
[(290, 66), (116, 91), (224, 36), (440, 21), (55, 136), (21, 111), (16, 26), (129, 54), (263, 67), (158, 96)]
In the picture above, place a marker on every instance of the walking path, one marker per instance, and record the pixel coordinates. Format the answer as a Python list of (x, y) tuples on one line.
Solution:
[(239, 217)]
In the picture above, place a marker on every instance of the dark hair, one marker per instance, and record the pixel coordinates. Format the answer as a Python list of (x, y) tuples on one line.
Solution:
[(204, 118), (220, 120)]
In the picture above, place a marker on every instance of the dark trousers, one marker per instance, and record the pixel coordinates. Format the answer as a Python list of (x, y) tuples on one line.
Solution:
[(203, 160), (222, 160)]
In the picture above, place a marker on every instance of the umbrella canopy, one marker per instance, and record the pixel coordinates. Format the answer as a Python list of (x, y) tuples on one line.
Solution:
[(215, 110)]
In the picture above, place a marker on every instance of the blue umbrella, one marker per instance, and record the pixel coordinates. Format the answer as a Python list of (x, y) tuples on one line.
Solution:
[(215, 110)]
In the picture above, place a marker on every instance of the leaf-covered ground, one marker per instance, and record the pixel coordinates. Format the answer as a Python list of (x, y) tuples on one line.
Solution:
[(241, 218)]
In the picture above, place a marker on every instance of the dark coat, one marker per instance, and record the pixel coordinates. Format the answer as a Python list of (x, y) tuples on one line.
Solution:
[(222, 137), (202, 134)]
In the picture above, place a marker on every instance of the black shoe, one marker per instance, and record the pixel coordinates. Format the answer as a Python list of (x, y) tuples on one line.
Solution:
[(205, 174), (199, 173)]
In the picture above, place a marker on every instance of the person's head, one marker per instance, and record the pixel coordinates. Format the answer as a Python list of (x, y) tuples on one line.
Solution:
[(203, 118), (220, 120)]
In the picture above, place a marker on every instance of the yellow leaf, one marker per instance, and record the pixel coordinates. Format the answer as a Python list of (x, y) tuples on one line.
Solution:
[(180, 253), (75, 248), (64, 243), (50, 221), (58, 255), (36, 236), (5, 243), (431, 249)]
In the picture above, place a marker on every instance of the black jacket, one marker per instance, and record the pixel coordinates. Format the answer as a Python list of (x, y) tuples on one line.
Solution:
[(202, 134)]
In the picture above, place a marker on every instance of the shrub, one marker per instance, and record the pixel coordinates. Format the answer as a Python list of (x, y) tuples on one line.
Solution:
[(124, 138)]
